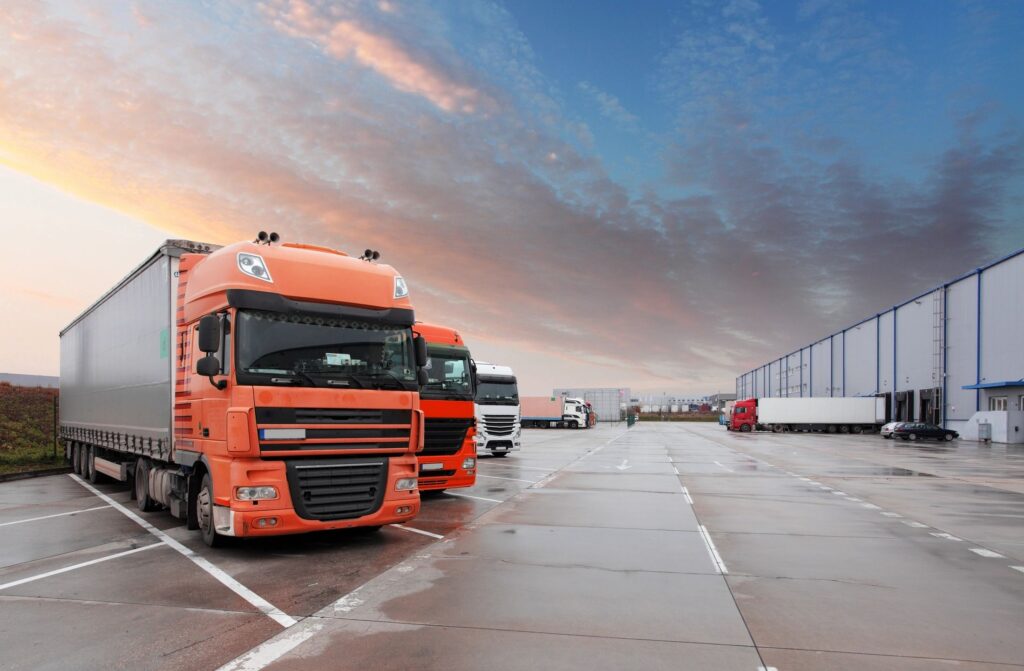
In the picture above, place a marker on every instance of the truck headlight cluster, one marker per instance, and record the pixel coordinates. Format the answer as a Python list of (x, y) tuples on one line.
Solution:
[(256, 493), (468, 463), (405, 483)]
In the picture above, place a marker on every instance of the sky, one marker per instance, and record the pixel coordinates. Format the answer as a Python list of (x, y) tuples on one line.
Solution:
[(657, 195)]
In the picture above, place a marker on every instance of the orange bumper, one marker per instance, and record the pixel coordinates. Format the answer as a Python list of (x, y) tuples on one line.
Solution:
[(450, 475), (288, 522)]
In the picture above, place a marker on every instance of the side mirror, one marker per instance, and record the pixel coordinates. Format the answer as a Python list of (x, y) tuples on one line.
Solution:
[(210, 366), (420, 346), (422, 377), (209, 334)]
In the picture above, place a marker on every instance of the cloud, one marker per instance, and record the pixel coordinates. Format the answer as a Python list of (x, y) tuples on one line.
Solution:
[(610, 106), (346, 38), (428, 131)]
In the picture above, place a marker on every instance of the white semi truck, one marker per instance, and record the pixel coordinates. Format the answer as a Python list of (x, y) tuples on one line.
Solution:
[(498, 425)]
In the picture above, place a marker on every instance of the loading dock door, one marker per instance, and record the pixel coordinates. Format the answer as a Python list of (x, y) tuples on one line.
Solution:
[(905, 406), (931, 406)]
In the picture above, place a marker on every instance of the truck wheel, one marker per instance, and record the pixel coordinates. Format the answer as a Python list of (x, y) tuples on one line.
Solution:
[(777, 428), (831, 428), (574, 424), (204, 511), (858, 429), (745, 428), (93, 474), (140, 485), (76, 463), (844, 429)]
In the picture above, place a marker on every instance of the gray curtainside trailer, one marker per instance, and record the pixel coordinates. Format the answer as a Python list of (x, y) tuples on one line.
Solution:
[(117, 383)]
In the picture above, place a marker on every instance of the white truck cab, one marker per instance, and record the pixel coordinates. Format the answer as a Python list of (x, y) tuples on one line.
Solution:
[(498, 419), (576, 413)]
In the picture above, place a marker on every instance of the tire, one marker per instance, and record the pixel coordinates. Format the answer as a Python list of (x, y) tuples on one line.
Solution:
[(76, 458), (777, 428), (948, 437), (745, 428), (93, 475), (140, 486), (831, 428), (858, 429), (844, 429), (912, 436), (204, 511), (904, 438), (574, 424)]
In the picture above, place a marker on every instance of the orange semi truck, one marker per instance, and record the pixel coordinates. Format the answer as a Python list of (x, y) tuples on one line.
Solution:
[(254, 389), (448, 459)]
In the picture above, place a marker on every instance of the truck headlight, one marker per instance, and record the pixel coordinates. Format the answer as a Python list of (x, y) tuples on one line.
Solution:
[(255, 493), (468, 463), (405, 483)]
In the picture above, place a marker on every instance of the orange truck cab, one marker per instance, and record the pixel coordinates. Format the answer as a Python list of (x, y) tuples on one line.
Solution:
[(254, 389), (448, 459)]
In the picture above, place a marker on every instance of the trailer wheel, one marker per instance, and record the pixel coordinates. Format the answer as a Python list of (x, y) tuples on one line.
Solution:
[(778, 428), (831, 428), (93, 474), (204, 510), (858, 429), (140, 485), (844, 429), (76, 465)]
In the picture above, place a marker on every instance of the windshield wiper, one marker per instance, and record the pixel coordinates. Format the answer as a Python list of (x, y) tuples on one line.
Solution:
[(305, 376), (377, 374)]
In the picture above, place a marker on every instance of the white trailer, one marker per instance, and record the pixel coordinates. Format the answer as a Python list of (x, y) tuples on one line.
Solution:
[(844, 415)]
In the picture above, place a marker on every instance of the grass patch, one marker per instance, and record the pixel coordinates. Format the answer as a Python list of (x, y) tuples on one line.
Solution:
[(26, 429)]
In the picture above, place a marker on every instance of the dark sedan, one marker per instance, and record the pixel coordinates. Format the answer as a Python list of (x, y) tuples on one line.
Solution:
[(913, 431)]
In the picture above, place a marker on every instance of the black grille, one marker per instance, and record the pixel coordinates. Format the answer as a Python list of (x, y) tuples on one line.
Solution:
[(436, 474), (312, 447), (444, 435), (337, 489), (331, 416), (499, 425)]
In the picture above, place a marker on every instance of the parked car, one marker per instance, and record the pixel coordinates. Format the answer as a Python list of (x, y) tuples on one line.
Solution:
[(913, 431), (887, 430)]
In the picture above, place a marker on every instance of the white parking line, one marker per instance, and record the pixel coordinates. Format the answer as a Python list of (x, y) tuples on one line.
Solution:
[(268, 652), (261, 604), (73, 567), (478, 498), (870, 506), (888, 514), (716, 559), (916, 525), (1018, 568), (498, 477), (417, 531), (686, 495), (982, 552), (945, 536), (47, 517), (725, 467)]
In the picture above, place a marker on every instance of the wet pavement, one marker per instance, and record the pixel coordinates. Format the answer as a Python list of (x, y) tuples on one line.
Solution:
[(664, 546)]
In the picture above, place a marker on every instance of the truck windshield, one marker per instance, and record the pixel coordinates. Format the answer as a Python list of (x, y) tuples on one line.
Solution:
[(313, 351), (497, 391), (448, 374)]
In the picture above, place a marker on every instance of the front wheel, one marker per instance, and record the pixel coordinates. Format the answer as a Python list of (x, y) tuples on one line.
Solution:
[(574, 424), (745, 428), (204, 513), (949, 436)]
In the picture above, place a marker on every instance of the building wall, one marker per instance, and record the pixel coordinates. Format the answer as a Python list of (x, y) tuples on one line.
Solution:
[(928, 343)]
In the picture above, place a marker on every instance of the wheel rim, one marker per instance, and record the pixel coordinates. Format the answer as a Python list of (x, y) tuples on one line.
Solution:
[(204, 509), (912, 436)]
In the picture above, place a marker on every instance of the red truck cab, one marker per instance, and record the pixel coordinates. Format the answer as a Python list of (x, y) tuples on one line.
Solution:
[(744, 416), (448, 459)]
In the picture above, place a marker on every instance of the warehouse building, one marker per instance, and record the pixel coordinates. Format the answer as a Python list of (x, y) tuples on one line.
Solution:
[(952, 356), (607, 402)]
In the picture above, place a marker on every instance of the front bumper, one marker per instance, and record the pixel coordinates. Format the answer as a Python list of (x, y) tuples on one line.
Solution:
[(243, 523)]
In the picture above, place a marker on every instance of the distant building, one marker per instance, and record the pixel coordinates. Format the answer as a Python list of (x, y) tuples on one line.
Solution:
[(608, 402), (19, 380), (718, 401), (951, 356)]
